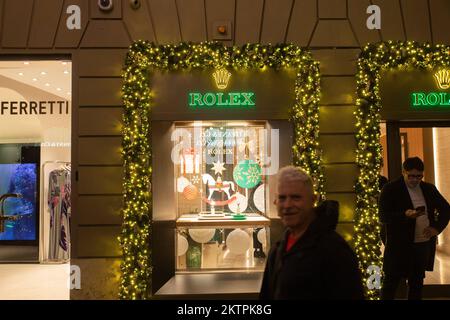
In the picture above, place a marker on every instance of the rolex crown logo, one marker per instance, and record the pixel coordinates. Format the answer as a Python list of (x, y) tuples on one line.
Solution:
[(222, 76), (443, 78)]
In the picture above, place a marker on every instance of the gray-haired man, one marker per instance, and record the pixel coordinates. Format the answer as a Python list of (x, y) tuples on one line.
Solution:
[(312, 261)]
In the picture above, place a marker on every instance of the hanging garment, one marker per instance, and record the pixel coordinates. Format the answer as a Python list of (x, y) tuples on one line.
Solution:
[(59, 207)]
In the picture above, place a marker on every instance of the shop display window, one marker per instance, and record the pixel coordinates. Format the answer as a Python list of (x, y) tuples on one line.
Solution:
[(18, 189), (221, 195), (19, 193)]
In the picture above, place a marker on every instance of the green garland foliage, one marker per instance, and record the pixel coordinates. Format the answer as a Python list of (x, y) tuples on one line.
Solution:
[(142, 58), (373, 60)]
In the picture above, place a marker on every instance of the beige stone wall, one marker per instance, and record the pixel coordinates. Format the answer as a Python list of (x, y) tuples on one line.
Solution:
[(334, 30)]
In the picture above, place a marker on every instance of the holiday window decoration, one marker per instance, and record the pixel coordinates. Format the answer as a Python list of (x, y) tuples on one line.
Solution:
[(142, 58)]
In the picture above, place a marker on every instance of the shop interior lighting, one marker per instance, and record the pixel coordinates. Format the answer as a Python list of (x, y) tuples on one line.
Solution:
[(237, 124), (202, 124)]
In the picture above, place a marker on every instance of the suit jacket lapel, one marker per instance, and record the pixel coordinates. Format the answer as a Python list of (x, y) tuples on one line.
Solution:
[(405, 194)]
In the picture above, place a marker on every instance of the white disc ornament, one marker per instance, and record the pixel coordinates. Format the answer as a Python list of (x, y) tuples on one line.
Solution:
[(182, 183), (182, 245), (202, 235), (240, 204), (238, 241), (262, 236), (259, 198)]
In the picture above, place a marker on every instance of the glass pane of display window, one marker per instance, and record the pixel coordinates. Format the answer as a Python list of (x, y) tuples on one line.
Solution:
[(221, 192), (222, 248)]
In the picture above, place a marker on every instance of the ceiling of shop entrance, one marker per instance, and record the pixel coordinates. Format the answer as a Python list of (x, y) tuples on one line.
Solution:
[(53, 76)]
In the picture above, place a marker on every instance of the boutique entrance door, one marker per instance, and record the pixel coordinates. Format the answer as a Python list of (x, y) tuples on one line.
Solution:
[(429, 141)]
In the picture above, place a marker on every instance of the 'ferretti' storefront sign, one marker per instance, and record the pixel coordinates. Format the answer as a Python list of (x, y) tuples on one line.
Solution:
[(434, 99), (221, 99), (14, 108)]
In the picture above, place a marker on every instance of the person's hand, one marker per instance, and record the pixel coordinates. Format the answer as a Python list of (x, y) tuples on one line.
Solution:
[(430, 232), (412, 214)]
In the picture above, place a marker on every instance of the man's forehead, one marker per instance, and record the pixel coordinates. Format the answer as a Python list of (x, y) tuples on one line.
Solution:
[(291, 187)]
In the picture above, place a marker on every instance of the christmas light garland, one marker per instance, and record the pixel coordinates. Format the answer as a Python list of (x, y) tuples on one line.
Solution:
[(373, 60), (142, 58)]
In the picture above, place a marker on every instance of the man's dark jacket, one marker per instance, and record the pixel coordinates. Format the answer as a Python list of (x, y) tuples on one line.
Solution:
[(320, 265), (400, 230)]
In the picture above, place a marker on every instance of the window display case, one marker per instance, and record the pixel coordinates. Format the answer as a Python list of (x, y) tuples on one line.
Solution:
[(221, 191)]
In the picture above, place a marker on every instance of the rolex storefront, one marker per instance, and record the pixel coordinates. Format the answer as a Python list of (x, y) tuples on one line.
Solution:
[(416, 123), (220, 130), (181, 112), (403, 111)]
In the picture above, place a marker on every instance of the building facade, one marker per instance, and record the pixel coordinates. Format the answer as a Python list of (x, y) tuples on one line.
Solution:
[(334, 31)]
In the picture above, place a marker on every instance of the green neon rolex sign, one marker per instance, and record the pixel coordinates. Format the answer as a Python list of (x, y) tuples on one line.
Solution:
[(434, 99), (221, 99), (431, 99)]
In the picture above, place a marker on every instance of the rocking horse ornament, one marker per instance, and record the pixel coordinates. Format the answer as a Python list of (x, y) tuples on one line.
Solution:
[(217, 186)]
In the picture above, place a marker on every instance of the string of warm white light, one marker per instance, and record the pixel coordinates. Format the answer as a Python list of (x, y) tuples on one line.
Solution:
[(142, 58), (373, 60)]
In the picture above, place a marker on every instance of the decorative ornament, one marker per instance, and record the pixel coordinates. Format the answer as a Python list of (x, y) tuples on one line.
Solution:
[(219, 185), (220, 203), (190, 192), (182, 183), (238, 241), (247, 174), (249, 146), (189, 162), (194, 257), (259, 198), (240, 205), (262, 236), (195, 179), (202, 235), (218, 167), (182, 245)]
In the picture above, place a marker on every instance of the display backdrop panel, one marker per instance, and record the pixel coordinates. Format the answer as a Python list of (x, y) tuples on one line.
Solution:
[(21, 180), (19, 193)]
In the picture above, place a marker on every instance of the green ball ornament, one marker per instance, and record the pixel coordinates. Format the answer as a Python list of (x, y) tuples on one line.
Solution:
[(247, 174)]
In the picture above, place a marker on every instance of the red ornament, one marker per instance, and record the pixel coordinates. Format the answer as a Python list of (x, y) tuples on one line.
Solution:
[(190, 192)]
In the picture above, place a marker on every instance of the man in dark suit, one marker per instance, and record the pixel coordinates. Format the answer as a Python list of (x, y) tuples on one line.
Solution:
[(382, 180), (414, 213)]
